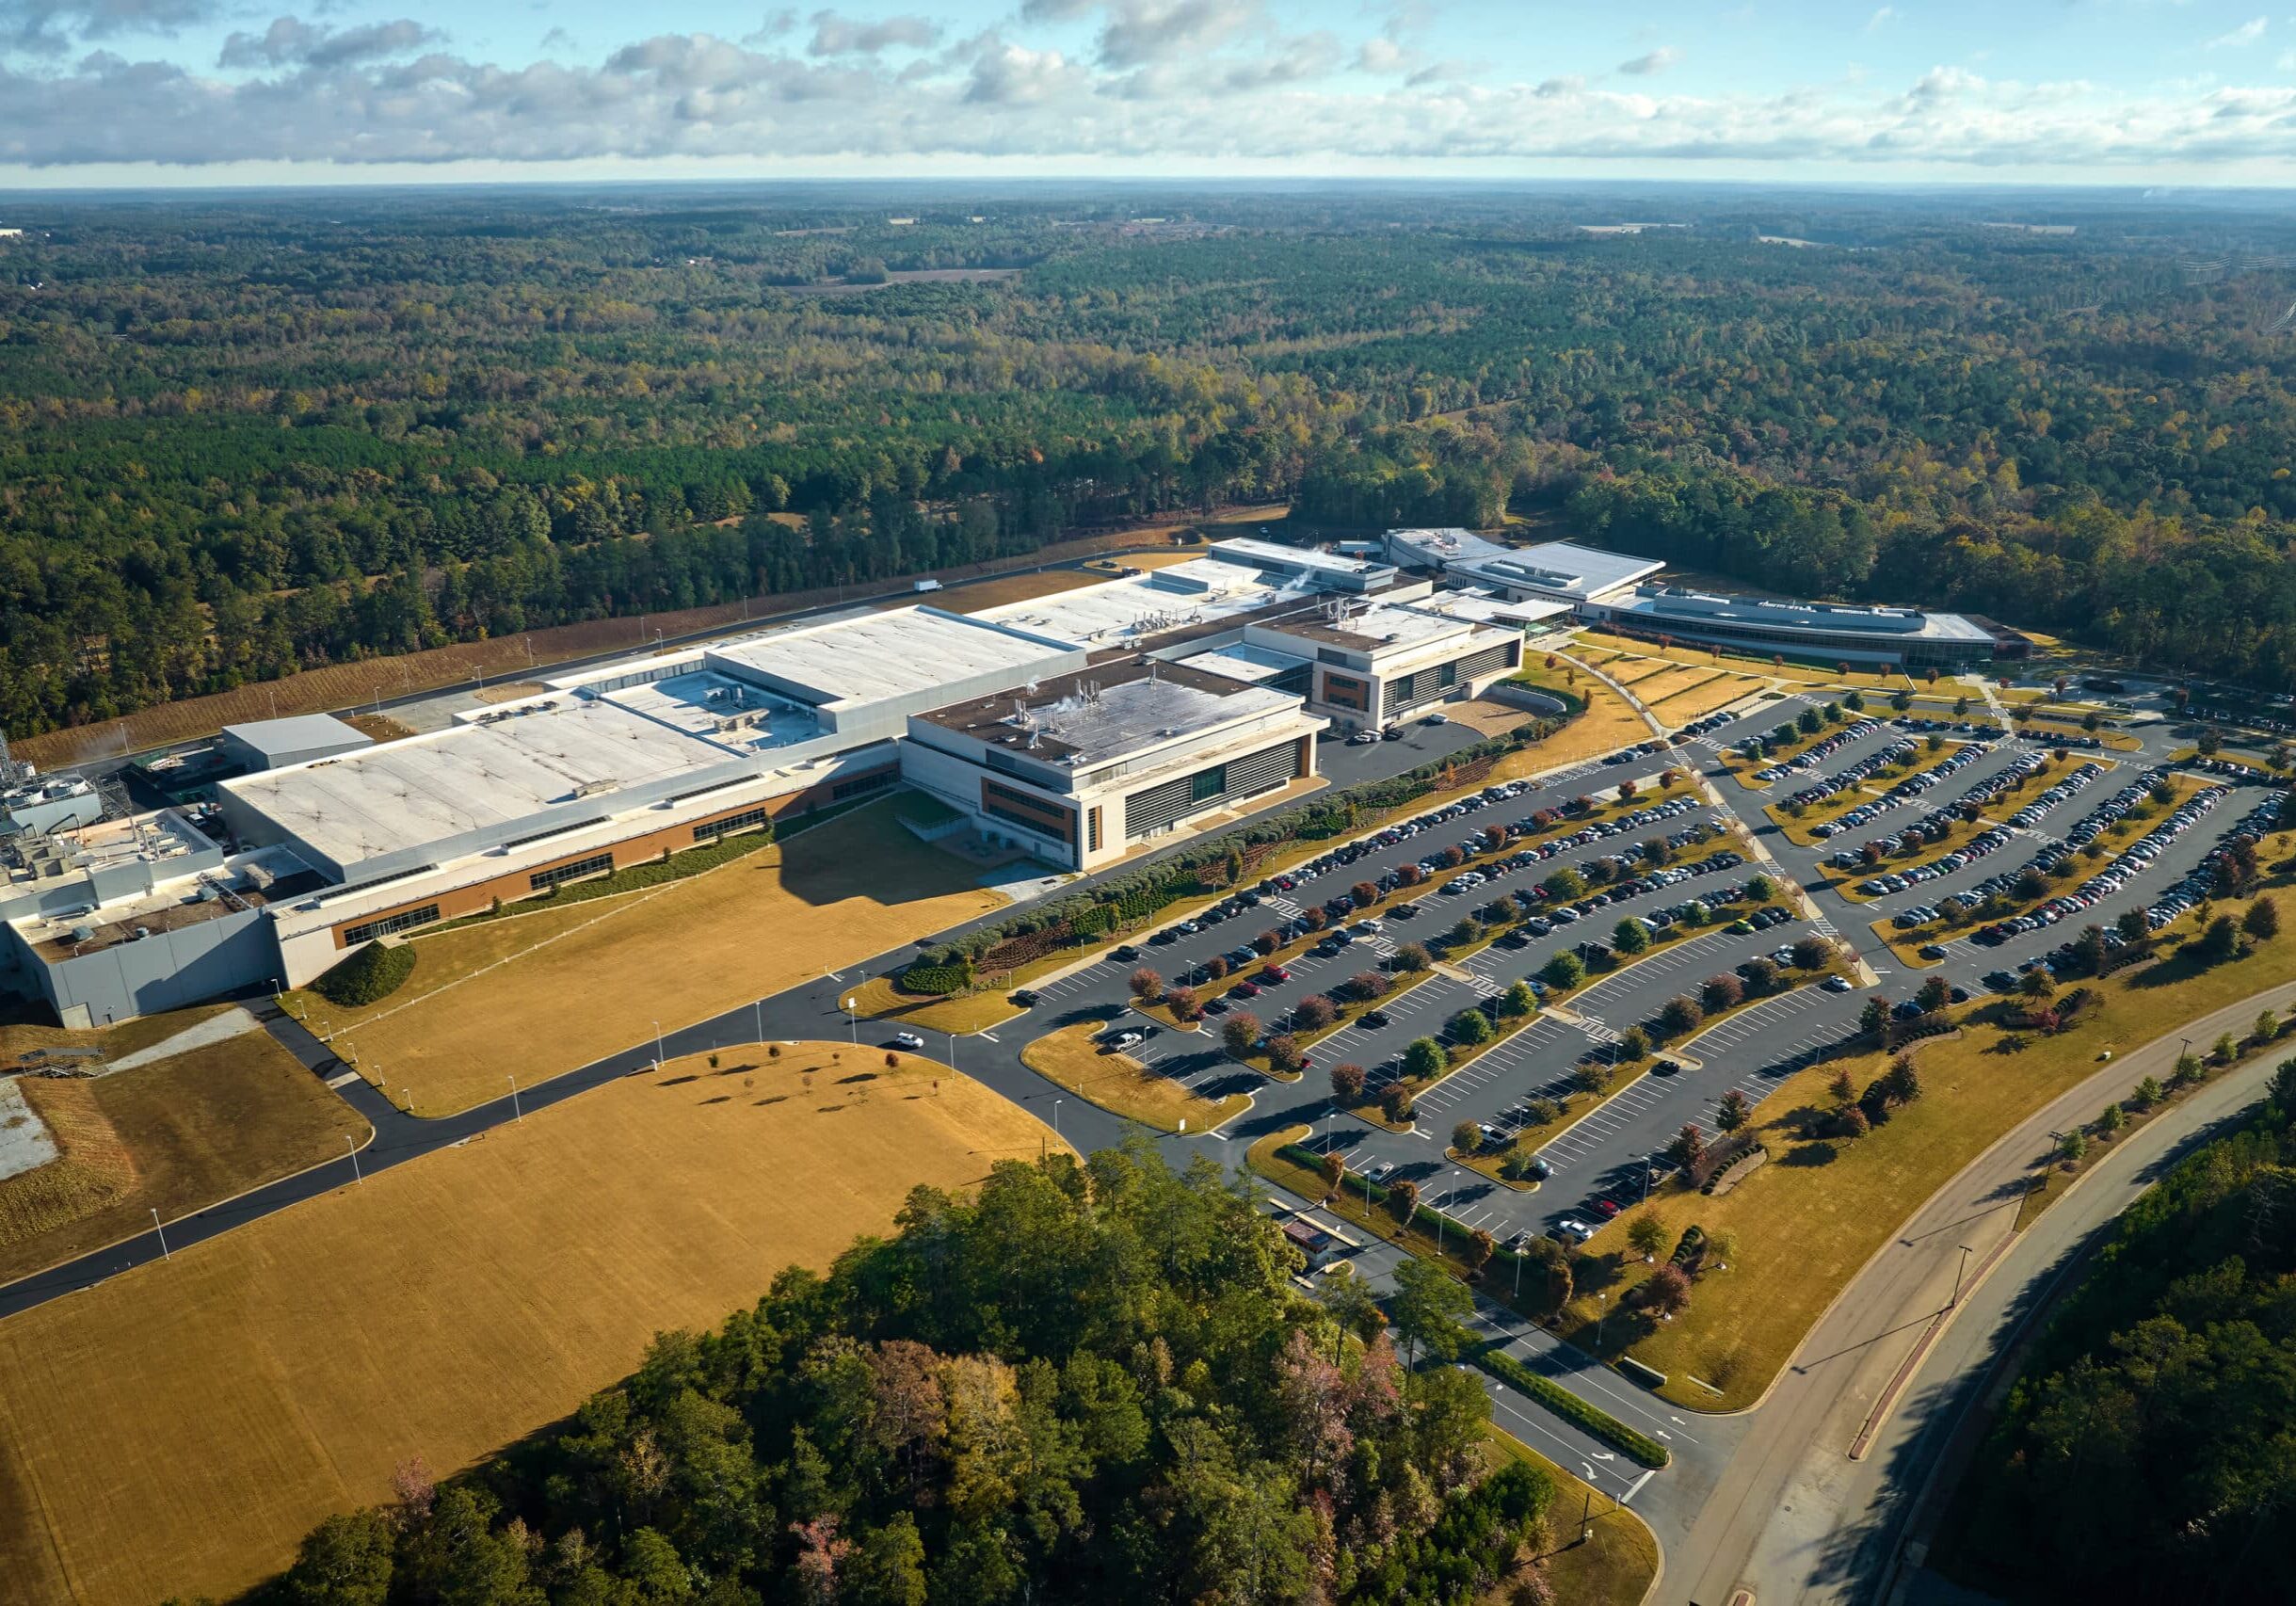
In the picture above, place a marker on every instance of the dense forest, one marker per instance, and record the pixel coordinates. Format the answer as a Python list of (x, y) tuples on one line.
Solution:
[(1086, 1383), (240, 437), (2149, 1451)]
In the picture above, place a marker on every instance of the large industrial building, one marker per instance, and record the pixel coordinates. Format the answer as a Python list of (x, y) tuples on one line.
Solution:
[(1810, 631), (1075, 728), (1560, 571)]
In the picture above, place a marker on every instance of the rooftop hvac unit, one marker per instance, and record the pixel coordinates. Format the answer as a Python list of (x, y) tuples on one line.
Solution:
[(83, 934), (257, 876)]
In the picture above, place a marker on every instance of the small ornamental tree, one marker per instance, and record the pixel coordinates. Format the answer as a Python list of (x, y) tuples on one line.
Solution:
[(1592, 1075), (1633, 1044), (1465, 1138), (1629, 936), (1313, 1013), (1666, 1290), (1934, 995), (1403, 1199), (1563, 971), (1267, 943), (1284, 1055), (1410, 957), (2220, 940), (1240, 1033), (1678, 1016), (1760, 889), (1396, 1104), (1718, 993), (1647, 1235), (1904, 1082), (1518, 1000), (1366, 986), (1146, 983), (2146, 1093), (1314, 919), (1347, 1086), (1851, 1121), (1365, 893), (1471, 1028), (1333, 1170), (1734, 1111), (1812, 953), (1215, 968), (1423, 1058), (2262, 921), (1689, 1146), (1181, 1002)]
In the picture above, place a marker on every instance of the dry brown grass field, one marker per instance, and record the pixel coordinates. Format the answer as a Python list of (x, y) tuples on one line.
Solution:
[(1672, 679), (1122, 1086), (176, 1430), (174, 1136), (534, 995)]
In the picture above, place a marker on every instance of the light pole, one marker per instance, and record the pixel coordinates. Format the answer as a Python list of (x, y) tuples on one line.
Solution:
[(516, 1114), (1055, 1117), (952, 1051), (658, 1056), (353, 1146), (163, 1237), (1966, 1252), (853, 1030), (757, 1010)]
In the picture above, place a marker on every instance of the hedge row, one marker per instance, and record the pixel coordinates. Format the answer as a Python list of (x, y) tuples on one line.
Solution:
[(368, 977), (938, 980), (1571, 1408)]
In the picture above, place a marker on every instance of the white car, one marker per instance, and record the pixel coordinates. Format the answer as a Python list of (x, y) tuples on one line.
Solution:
[(909, 1040), (1571, 1230)]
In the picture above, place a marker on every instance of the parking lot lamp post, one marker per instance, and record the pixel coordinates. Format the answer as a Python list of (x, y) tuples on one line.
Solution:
[(352, 1144), (657, 1043), (1055, 1117), (163, 1237), (516, 1114), (757, 1008), (853, 1030), (1519, 1259)]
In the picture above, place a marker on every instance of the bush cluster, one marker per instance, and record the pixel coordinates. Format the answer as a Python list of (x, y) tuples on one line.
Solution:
[(373, 973)]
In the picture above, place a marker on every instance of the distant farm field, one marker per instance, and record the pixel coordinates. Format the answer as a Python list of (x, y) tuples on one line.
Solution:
[(534, 995), (176, 1430)]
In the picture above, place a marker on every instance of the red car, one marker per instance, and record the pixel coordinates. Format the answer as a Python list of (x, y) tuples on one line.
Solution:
[(1246, 989), (1606, 1208), (1274, 973)]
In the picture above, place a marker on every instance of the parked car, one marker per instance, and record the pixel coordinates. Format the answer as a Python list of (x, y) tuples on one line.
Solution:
[(909, 1040)]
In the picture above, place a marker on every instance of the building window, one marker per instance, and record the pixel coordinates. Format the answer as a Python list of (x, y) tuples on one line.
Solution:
[(1092, 831), (1207, 785), (544, 880), (403, 921), (731, 822), (1448, 675), (862, 783)]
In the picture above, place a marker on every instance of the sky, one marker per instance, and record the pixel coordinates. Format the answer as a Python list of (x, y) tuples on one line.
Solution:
[(333, 92)]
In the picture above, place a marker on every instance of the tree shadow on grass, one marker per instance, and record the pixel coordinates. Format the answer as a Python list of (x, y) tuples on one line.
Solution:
[(1810, 1154), (772, 1099), (720, 1098), (678, 1080)]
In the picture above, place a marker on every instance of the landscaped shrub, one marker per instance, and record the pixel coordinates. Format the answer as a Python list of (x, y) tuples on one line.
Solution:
[(937, 980), (375, 972), (1567, 1405)]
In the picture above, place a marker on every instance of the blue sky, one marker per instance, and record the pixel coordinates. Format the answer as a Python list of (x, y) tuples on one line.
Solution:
[(208, 91)]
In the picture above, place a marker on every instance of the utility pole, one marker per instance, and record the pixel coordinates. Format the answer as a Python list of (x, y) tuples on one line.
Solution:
[(516, 1114), (1966, 1252), (353, 1146), (163, 1237)]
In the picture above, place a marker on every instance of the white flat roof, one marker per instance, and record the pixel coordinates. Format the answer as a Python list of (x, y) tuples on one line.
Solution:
[(1243, 661), (1143, 606), (1244, 549), (296, 734), (900, 652), (1485, 609), (411, 793), (1564, 568)]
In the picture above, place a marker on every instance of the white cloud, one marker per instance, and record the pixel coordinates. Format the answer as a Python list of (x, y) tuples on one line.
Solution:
[(1882, 18), (290, 41), (1656, 62), (835, 35), (2248, 32), (1247, 93)]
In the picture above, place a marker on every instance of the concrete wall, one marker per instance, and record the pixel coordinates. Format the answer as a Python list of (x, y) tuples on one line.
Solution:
[(168, 969)]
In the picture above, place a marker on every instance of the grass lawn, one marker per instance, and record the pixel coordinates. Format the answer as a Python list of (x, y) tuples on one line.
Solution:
[(118, 1042), (1607, 725), (174, 1137), (1789, 672), (443, 1307), (1122, 1086), (1673, 680), (879, 999), (1617, 1566), (1702, 698), (1806, 1221), (535, 995)]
